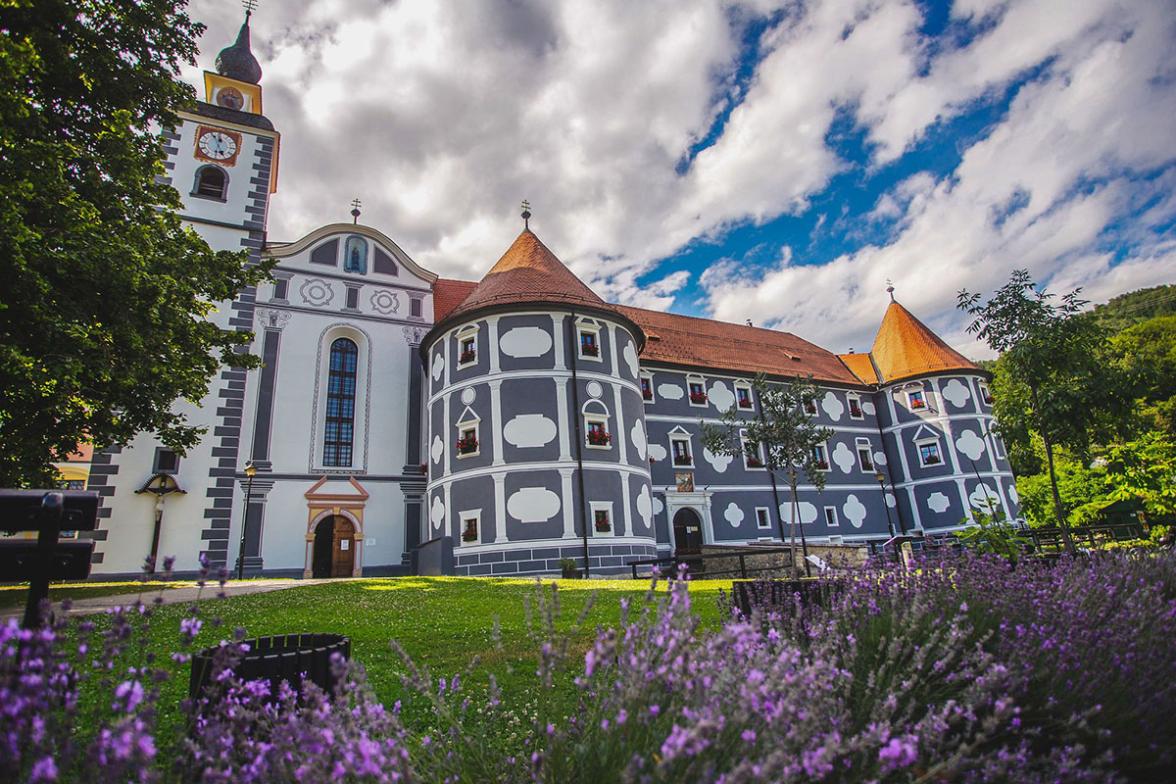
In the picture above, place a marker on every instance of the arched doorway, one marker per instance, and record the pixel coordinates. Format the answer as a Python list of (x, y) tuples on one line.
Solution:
[(334, 547), (687, 532)]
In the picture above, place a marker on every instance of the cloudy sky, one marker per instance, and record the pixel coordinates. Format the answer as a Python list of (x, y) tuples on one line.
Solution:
[(777, 161)]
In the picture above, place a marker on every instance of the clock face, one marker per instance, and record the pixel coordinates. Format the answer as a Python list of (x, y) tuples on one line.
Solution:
[(230, 97), (217, 145)]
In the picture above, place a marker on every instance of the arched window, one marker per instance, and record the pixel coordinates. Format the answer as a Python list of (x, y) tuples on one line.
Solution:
[(355, 255), (211, 182), (338, 436)]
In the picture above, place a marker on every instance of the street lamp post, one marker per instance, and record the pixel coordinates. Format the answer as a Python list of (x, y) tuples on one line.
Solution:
[(250, 472), (882, 484)]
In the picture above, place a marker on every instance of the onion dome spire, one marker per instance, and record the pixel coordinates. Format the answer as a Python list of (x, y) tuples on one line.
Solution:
[(237, 61)]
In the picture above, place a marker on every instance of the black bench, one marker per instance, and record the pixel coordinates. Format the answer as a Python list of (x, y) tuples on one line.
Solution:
[(40, 560)]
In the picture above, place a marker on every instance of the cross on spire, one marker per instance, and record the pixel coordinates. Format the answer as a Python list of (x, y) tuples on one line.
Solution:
[(526, 214), (355, 205), (890, 289), (249, 5)]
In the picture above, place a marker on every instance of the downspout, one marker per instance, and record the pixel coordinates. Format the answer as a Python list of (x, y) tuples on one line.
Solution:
[(576, 417), (890, 465)]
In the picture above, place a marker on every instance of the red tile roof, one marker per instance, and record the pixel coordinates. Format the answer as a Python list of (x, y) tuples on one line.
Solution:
[(448, 294), (905, 347), (861, 366), (705, 343), (528, 273)]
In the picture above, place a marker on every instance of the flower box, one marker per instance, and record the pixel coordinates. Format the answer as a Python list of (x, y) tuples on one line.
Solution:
[(682, 460), (697, 397), (467, 446), (646, 393), (855, 410), (755, 462), (823, 465), (598, 438), (917, 404), (603, 527), (469, 536), (468, 356), (590, 349)]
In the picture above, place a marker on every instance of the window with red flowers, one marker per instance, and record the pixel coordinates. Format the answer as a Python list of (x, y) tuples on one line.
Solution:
[(743, 397), (467, 442), (647, 388), (697, 391), (468, 350), (597, 432)]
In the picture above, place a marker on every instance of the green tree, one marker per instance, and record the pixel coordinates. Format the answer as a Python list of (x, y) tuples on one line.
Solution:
[(105, 293), (1144, 470), (785, 432), (1147, 351), (1058, 383)]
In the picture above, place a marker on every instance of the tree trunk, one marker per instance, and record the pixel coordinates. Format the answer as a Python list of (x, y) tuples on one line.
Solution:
[(795, 522), (1053, 477)]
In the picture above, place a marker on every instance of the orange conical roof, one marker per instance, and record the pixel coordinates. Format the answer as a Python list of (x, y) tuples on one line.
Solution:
[(528, 272), (905, 347)]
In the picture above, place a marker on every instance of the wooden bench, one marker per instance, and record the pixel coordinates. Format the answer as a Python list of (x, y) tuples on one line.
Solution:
[(41, 560)]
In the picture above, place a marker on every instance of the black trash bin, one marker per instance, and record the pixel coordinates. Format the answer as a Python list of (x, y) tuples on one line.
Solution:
[(283, 657)]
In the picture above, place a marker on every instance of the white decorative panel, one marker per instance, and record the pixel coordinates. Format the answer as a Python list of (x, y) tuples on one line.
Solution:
[(891, 501), (937, 502), (984, 498), (670, 392), (594, 389), (437, 511), (645, 505), (970, 444), (718, 462), (468, 396), (868, 407), (657, 451), (525, 342), (658, 506), (733, 515), (1016, 499), (880, 458), (832, 406), (956, 392), (630, 357), (637, 436), (438, 366), (437, 450), (808, 512), (722, 397), (854, 511), (843, 457), (529, 430), (533, 504)]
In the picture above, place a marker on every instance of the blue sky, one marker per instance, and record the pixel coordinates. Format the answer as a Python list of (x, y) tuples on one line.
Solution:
[(777, 161)]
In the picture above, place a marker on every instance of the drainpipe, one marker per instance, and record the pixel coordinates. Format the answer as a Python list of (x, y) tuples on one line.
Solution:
[(576, 417), (890, 465)]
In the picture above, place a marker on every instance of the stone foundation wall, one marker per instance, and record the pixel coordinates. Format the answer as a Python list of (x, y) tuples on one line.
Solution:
[(604, 559)]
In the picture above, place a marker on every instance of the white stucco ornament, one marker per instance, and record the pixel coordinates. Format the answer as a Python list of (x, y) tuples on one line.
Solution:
[(718, 462), (657, 452), (594, 390), (1016, 499), (984, 499), (637, 436), (843, 457), (854, 511), (937, 502), (468, 396), (533, 504), (880, 458), (529, 430), (891, 501), (808, 512), (630, 357), (832, 406), (658, 506), (525, 342), (722, 397), (956, 392), (645, 505), (438, 366), (970, 444), (868, 407), (437, 511), (437, 450), (733, 515), (670, 391)]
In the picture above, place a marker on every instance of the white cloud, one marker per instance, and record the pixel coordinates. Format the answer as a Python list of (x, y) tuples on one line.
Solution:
[(442, 116)]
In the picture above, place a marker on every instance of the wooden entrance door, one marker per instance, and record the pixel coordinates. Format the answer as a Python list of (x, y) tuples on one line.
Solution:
[(687, 532), (334, 548)]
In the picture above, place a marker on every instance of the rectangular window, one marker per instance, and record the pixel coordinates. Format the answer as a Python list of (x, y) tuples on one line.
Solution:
[(916, 400), (596, 428), (831, 516), (352, 298), (697, 392), (680, 450), (998, 447), (821, 457), (281, 287), (743, 397), (339, 423), (647, 389), (855, 407), (929, 453), (865, 454), (589, 343), (985, 395), (467, 441), (414, 307), (601, 518), (469, 526), (467, 350), (810, 407), (166, 461), (763, 519), (753, 455)]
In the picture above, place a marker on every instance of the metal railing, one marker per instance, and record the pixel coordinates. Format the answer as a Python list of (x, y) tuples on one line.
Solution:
[(696, 564)]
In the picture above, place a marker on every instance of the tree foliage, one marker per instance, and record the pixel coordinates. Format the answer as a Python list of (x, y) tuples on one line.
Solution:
[(785, 432), (105, 296)]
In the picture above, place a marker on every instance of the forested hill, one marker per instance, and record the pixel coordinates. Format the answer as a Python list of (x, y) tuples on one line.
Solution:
[(1137, 306)]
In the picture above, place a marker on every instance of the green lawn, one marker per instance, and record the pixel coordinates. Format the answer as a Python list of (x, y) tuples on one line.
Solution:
[(443, 623)]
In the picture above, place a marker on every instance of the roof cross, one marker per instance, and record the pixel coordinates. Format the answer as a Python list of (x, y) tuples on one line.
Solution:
[(355, 205), (890, 289), (249, 5), (526, 214)]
